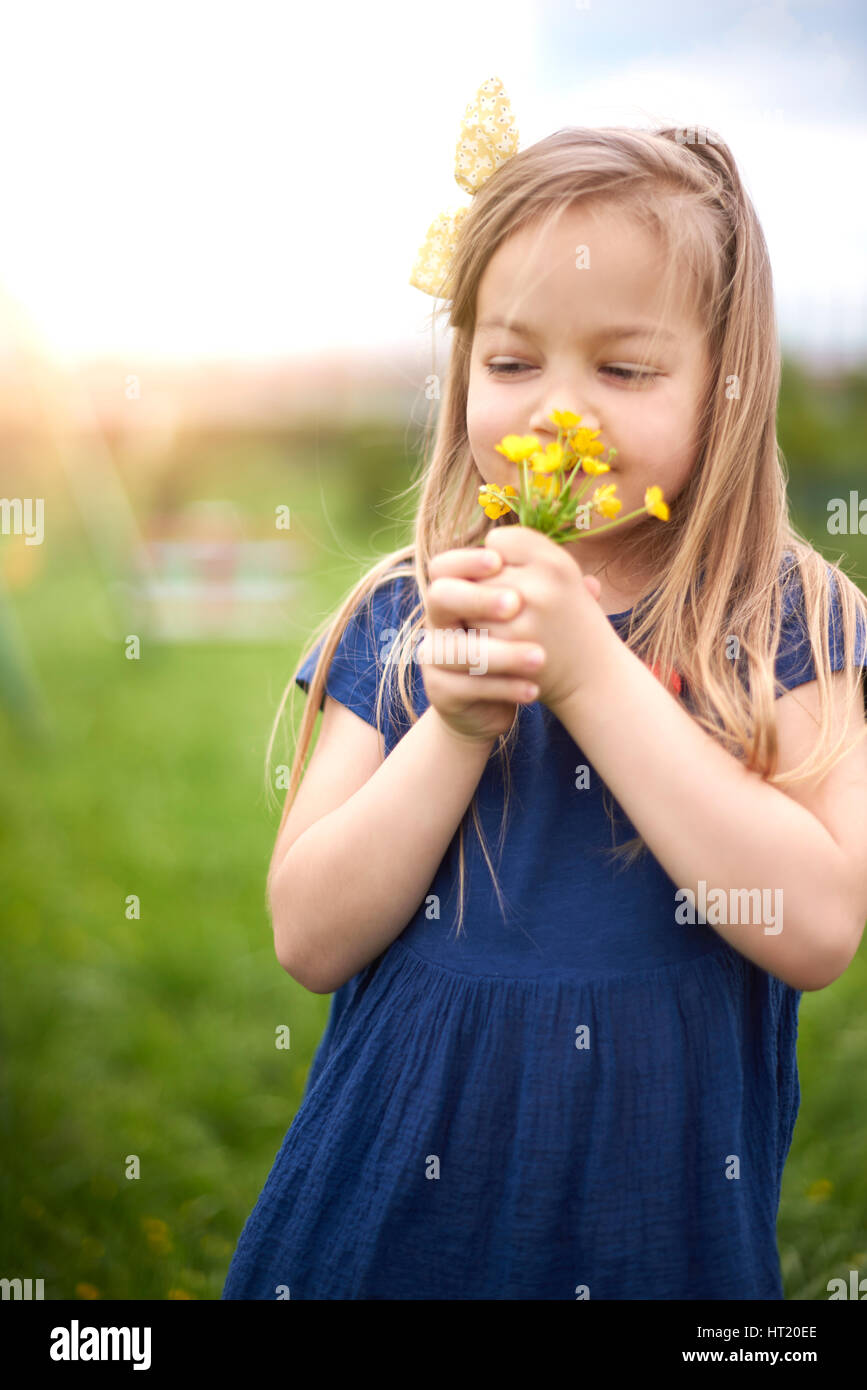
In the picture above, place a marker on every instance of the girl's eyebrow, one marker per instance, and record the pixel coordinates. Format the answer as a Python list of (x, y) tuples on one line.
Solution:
[(620, 331)]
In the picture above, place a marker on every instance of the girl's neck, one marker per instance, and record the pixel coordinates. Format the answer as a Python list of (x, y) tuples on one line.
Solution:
[(618, 591), (615, 601)]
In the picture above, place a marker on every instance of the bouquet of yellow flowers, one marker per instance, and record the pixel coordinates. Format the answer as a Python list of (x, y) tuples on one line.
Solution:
[(546, 501)]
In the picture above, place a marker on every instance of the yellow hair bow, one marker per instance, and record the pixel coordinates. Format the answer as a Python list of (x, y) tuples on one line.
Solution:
[(488, 137)]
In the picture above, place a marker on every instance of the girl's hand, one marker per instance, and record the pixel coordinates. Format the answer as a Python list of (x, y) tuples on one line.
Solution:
[(473, 679), (558, 608)]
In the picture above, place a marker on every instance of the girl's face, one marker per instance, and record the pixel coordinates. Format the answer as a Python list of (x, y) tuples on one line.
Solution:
[(573, 344)]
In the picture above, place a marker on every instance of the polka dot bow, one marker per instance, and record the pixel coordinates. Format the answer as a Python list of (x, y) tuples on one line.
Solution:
[(488, 137)]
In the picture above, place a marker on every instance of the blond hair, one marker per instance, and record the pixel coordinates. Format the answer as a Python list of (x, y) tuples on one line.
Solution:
[(718, 561)]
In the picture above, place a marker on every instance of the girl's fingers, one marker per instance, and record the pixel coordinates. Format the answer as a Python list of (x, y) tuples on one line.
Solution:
[(470, 562), (470, 653), (506, 689), (453, 601)]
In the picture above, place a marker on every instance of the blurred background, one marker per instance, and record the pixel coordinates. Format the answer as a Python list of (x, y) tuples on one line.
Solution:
[(214, 386)]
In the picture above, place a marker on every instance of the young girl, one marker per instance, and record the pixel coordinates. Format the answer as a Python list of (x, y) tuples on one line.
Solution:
[(567, 1069)]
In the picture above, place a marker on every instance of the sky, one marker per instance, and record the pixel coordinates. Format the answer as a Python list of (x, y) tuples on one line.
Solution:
[(186, 181)]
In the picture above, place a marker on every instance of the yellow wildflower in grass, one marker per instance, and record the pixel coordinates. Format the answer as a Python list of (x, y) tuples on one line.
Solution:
[(490, 499), (179, 1293), (605, 502), (654, 503), (517, 447), (87, 1291), (157, 1233), (592, 466), (820, 1190)]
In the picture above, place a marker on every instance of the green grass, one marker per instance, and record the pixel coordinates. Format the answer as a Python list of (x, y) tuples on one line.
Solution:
[(152, 1037), (155, 1037)]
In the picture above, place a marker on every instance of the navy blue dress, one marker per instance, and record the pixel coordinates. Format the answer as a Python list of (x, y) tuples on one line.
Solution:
[(585, 1099)]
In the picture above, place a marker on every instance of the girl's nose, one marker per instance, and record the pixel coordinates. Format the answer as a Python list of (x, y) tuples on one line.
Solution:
[(541, 422)]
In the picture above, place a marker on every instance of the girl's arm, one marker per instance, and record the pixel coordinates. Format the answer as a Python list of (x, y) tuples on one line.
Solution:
[(349, 883), (709, 821)]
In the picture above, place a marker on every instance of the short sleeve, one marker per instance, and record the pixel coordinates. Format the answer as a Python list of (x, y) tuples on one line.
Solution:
[(794, 663), (357, 665)]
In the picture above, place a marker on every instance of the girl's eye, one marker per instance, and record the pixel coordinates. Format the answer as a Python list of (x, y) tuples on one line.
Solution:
[(622, 373), (630, 373), (505, 368)]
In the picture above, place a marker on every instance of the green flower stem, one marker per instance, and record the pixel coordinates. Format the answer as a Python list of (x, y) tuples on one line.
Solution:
[(589, 478), (567, 485), (583, 488), (617, 522)]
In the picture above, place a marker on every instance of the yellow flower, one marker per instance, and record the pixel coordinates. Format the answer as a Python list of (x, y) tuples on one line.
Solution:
[(547, 483), (593, 466), (157, 1234), (490, 499), (654, 503), (820, 1190), (549, 459), (87, 1291), (179, 1293), (585, 442), (564, 419), (605, 502), (517, 447)]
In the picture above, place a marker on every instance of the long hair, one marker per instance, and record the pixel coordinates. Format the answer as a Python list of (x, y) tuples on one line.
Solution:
[(718, 563)]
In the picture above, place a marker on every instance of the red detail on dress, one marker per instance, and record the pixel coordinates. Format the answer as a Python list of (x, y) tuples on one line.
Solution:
[(674, 682)]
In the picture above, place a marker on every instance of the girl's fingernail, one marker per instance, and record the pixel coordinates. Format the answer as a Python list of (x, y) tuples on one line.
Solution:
[(535, 657), (505, 603), (492, 560)]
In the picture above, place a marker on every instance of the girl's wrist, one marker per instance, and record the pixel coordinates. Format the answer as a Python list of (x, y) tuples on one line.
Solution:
[(483, 742), (597, 648)]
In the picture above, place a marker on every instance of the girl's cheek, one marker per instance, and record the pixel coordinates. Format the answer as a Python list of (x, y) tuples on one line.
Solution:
[(485, 429)]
